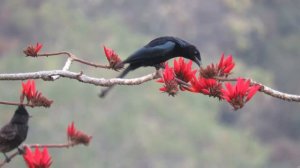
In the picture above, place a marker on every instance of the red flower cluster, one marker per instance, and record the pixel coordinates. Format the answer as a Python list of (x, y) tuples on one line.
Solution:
[(183, 71), (239, 94), (33, 50), (171, 85), (113, 59), (209, 87), (183, 75), (222, 69), (76, 136), (37, 159), (33, 97)]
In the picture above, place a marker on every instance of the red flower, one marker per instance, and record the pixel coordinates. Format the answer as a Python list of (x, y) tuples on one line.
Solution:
[(222, 69), (209, 87), (28, 90), (210, 71), (171, 85), (239, 94), (113, 59), (33, 97), (183, 71), (33, 50), (225, 65), (37, 159), (76, 136)]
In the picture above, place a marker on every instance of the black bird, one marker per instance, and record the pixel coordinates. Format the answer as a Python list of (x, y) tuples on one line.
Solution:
[(15, 132), (156, 52)]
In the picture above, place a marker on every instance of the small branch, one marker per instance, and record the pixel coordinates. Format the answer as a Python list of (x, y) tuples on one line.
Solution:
[(74, 58), (14, 103), (67, 145), (65, 68), (269, 91)]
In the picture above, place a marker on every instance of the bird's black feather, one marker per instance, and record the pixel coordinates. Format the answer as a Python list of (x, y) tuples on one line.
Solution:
[(158, 51)]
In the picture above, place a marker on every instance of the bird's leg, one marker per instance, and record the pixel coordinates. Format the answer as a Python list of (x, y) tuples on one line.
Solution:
[(160, 66), (21, 151), (181, 82), (7, 159)]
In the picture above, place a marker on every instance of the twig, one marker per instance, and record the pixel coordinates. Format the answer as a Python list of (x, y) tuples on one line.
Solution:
[(65, 68), (66, 145), (15, 103), (74, 58)]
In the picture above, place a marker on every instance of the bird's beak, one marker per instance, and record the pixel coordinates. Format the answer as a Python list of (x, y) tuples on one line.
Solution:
[(30, 116), (197, 61)]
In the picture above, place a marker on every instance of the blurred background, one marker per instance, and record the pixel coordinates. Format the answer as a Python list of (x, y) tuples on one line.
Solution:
[(139, 126)]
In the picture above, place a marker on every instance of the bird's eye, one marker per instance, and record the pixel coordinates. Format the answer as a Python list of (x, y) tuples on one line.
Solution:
[(195, 52)]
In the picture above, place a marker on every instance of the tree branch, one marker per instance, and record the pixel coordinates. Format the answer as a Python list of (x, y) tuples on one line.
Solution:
[(45, 75)]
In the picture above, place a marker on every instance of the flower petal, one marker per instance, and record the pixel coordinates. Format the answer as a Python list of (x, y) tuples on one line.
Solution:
[(252, 92)]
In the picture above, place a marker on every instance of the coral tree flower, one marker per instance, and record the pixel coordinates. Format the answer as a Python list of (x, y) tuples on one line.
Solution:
[(239, 94), (28, 90), (225, 65), (76, 136), (113, 59), (33, 97), (37, 159), (33, 50), (205, 86), (171, 85), (222, 69), (183, 71)]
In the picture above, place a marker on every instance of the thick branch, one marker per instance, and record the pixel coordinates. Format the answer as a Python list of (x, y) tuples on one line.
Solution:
[(45, 75)]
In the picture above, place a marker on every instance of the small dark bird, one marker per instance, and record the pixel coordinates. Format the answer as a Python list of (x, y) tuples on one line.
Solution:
[(156, 52), (15, 132)]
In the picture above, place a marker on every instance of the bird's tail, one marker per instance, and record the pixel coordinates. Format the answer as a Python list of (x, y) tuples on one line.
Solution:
[(104, 92)]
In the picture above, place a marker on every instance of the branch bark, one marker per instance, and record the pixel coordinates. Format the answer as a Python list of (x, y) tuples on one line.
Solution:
[(47, 75)]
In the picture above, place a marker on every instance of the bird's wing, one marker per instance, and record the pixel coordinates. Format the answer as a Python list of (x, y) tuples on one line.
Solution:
[(8, 132), (146, 53)]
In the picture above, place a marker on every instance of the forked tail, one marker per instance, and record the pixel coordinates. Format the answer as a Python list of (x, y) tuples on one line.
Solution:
[(104, 92)]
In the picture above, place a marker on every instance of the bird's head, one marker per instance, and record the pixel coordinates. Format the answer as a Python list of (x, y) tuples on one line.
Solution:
[(193, 54), (21, 116)]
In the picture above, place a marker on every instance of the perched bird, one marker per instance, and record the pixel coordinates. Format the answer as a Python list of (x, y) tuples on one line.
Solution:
[(156, 52), (15, 132)]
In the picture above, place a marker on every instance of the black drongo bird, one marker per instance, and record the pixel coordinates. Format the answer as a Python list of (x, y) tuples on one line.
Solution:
[(156, 52), (15, 132)]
